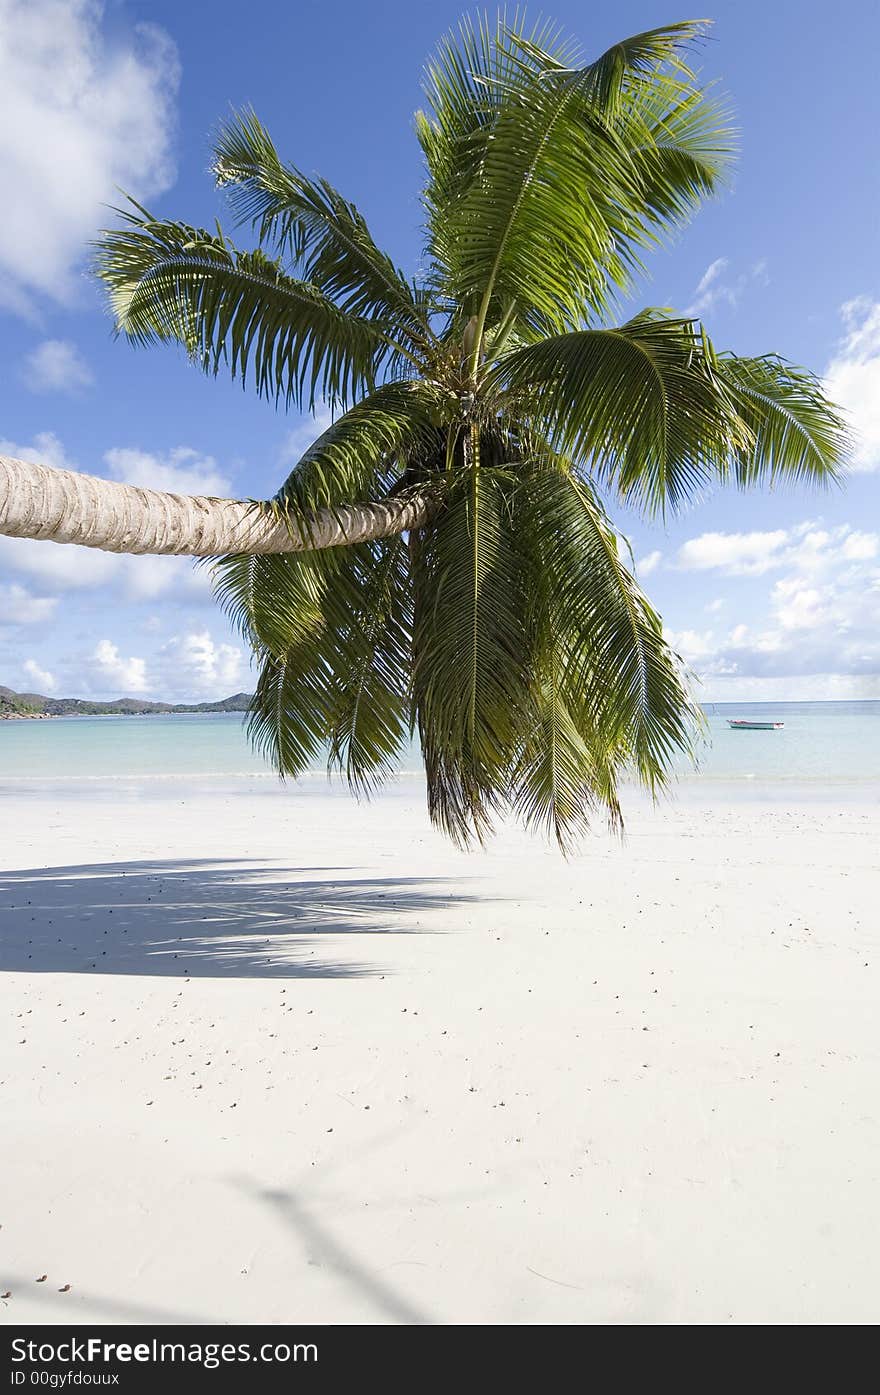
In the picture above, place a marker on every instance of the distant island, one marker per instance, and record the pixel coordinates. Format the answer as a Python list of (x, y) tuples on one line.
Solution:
[(24, 705)]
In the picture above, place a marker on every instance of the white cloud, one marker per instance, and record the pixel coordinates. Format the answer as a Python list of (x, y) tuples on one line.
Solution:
[(44, 681), (646, 565), (147, 578), (691, 644), (197, 664), (819, 620), (56, 566), (798, 606), (180, 471), (121, 675), (19, 607), (708, 287), (86, 115), (56, 365), (191, 666), (46, 450), (715, 288), (737, 554), (804, 548), (853, 379), (860, 547)]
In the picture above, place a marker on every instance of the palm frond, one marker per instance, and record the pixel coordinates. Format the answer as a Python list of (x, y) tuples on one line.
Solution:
[(682, 143), (278, 604), (289, 714), (562, 776), (602, 643), (643, 406), (370, 721), (274, 600), (795, 432), (366, 451), (470, 655), (323, 234), (465, 84), (331, 631), (547, 179), (168, 281)]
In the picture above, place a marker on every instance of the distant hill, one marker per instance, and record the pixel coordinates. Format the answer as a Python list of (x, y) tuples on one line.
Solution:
[(13, 704)]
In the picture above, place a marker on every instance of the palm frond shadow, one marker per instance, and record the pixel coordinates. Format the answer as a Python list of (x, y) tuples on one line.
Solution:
[(205, 918), (328, 1252)]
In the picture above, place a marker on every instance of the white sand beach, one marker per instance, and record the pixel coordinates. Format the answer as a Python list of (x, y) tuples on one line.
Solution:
[(283, 1059)]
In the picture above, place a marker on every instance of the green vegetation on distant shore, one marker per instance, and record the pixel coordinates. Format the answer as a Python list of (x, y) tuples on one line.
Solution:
[(14, 704)]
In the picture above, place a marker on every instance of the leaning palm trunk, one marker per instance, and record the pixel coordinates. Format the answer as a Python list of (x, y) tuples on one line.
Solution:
[(65, 507)]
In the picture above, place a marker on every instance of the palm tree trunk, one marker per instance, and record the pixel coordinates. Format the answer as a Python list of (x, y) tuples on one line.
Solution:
[(66, 507)]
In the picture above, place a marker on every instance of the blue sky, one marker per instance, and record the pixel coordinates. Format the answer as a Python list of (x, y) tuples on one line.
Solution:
[(767, 595)]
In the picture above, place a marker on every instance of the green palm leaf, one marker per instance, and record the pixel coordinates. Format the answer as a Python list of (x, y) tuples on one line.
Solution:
[(278, 604), (273, 599), (370, 721), (169, 281), (643, 405), (623, 685), (368, 450), (795, 432), (466, 84), (325, 235), (563, 775), (331, 632), (470, 651), (653, 410), (682, 142), (566, 174)]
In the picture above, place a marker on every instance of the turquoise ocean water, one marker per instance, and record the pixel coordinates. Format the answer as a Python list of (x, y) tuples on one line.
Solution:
[(822, 745)]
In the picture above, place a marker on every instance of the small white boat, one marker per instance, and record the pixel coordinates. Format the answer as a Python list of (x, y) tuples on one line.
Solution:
[(738, 724)]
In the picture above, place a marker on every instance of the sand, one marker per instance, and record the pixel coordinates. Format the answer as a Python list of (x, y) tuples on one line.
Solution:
[(284, 1059)]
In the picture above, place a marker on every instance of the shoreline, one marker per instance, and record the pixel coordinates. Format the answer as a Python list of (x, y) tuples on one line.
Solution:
[(92, 716), (689, 791)]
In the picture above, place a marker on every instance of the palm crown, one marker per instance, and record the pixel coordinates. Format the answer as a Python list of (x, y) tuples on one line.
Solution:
[(507, 630)]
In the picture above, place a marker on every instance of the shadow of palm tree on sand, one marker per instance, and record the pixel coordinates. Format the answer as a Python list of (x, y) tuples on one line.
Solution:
[(207, 918)]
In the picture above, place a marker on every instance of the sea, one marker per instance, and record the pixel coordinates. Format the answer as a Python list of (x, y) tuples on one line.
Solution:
[(824, 749)]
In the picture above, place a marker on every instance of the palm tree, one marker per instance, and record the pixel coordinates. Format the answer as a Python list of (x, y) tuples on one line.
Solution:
[(481, 597)]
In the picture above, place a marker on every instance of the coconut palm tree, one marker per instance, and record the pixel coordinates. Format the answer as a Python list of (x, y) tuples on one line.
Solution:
[(440, 559)]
